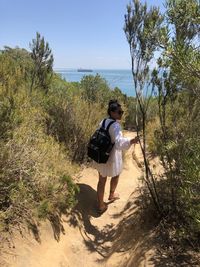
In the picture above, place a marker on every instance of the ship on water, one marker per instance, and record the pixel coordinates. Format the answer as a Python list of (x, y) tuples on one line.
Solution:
[(84, 70)]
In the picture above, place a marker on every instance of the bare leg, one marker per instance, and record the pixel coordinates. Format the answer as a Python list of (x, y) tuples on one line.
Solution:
[(100, 191), (113, 185)]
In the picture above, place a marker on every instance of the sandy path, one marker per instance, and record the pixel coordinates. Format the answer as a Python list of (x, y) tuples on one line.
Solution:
[(116, 238)]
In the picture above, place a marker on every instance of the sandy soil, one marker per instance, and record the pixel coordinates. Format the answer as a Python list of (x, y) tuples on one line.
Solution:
[(117, 238)]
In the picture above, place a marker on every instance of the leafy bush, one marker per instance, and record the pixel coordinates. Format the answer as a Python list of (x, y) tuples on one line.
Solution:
[(171, 121), (72, 120), (35, 172)]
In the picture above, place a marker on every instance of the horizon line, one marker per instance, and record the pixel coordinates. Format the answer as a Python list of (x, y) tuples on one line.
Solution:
[(67, 68)]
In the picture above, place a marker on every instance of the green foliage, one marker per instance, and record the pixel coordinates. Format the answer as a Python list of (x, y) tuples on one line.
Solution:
[(184, 16), (142, 29), (173, 115), (15, 65), (73, 119), (32, 163), (95, 89), (42, 64), (32, 169)]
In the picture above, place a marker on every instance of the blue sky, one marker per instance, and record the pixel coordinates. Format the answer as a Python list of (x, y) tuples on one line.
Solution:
[(81, 33)]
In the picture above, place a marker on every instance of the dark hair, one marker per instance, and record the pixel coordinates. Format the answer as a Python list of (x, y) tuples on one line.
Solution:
[(113, 105)]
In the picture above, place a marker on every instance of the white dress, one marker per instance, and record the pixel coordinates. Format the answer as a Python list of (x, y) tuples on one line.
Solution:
[(114, 165)]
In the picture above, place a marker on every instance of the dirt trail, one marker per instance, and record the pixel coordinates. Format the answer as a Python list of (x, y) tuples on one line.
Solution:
[(118, 238)]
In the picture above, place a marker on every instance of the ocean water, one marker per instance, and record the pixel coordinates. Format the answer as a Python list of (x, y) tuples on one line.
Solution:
[(115, 78)]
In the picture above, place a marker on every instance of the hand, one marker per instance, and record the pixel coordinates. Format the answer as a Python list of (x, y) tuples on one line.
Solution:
[(135, 140)]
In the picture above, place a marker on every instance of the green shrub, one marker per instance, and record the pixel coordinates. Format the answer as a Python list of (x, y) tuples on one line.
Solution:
[(32, 169)]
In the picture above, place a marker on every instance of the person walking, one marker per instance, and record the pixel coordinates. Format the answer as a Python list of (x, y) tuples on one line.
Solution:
[(113, 167)]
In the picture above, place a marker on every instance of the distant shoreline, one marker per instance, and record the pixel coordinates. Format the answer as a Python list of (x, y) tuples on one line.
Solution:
[(94, 69)]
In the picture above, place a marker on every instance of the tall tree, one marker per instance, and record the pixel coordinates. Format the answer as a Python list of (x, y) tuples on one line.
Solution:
[(42, 63), (143, 29)]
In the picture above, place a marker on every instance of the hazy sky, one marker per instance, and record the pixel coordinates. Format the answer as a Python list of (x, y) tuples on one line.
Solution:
[(81, 33)]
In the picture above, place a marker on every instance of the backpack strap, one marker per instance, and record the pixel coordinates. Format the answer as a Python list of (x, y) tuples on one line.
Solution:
[(103, 124), (110, 123)]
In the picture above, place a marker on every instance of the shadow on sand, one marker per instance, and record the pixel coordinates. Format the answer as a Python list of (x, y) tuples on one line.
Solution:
[(130, 234), (81, 217), (135, 233)]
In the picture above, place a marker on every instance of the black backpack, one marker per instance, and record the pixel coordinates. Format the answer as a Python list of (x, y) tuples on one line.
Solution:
[(100, 145)]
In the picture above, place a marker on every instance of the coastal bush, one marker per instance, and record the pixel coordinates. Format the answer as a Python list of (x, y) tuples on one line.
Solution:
[(94, 89), (35, 172), (172, 133), (72, 120)]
